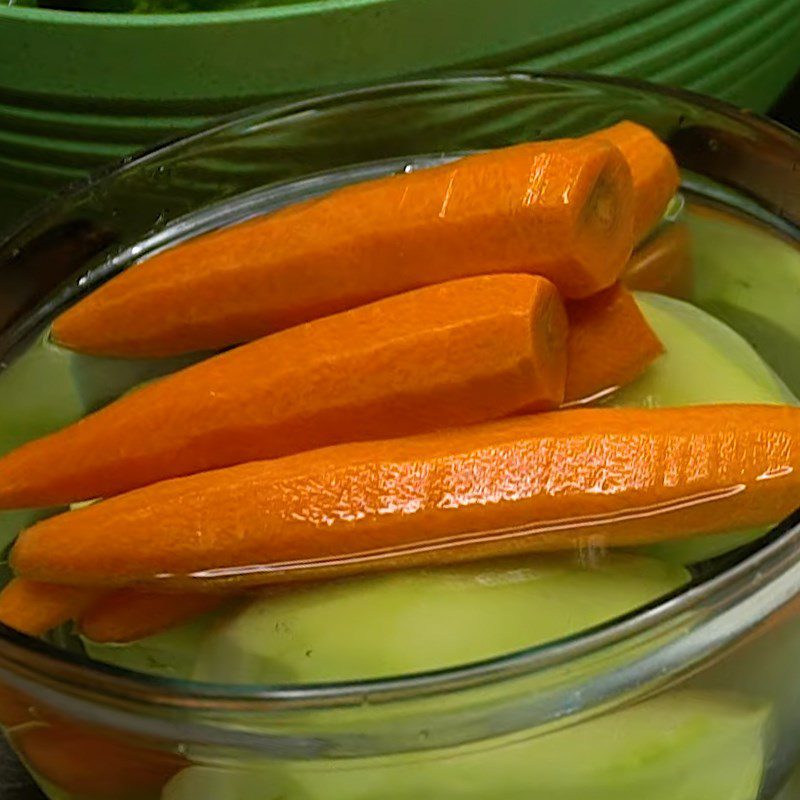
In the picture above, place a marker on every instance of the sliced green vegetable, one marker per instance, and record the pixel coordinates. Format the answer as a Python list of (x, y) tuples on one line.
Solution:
[(681, 745), (750, 278), (171, 654), (705, 362), (417, 620)]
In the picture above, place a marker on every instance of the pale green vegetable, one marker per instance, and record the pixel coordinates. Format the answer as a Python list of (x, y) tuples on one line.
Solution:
[(171, 654), (48, 387), (697, 549), (750, 278), (705, 362), (417, 620), (681, 745), (405, 621), (791, 791)]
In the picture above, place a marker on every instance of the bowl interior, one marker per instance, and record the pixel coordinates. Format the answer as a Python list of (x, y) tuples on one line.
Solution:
[(263, 159)]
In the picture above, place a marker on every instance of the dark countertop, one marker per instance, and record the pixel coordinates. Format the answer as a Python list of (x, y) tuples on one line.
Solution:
[(14, 782)]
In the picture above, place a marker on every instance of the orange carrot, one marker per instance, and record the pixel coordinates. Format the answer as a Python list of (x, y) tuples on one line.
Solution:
[(663, 263), (653, 168), (446, 355), (121, 616), (16, 708), (88, 763), (35, 608), (126, 615), (560, 209), (599, 476), (609, 344)]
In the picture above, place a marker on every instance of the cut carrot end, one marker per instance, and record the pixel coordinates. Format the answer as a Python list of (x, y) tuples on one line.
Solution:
[(604, 223), (547, 371), (653, 169)]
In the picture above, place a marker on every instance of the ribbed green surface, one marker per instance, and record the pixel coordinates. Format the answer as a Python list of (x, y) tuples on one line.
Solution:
[(62, 114)]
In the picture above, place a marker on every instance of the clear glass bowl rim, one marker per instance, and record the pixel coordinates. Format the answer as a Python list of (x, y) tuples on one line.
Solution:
[(60, 670)]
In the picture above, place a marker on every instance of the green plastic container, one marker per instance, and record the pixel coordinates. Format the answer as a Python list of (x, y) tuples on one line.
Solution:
[(78, 90)]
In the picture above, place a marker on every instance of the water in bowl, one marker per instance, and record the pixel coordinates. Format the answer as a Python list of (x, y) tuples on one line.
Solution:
[(733, 337)]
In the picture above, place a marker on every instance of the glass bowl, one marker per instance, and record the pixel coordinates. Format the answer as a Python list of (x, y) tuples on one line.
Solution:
[(693, 697)]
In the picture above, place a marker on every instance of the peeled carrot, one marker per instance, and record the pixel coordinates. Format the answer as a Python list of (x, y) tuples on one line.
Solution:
[(609, 344), (126, 615), (599, 476), (445, 355), (559, 209), (653, 168), (16, 708), (89, 764), (122, 616), (35, 608), (663, 263)]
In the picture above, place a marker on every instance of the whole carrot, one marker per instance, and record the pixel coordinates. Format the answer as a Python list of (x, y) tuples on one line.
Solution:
[(559, 209), (653, 168), (602, 476), (126, 615), (35, 608), (609, 344), (445, 355), (663, 263)]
